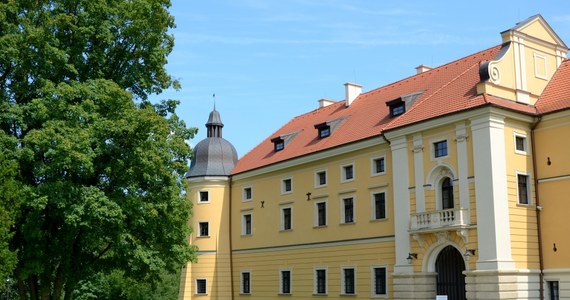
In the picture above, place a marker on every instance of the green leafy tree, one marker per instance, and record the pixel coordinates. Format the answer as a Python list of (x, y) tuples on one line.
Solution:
[(100, 166), (9, 198)]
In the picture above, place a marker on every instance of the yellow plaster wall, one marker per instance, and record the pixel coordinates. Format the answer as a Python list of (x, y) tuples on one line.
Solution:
[(554, 188), (267, 188), (523, 224), (264, 268)]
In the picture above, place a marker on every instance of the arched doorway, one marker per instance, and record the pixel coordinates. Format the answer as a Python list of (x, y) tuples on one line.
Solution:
[(449, 266)]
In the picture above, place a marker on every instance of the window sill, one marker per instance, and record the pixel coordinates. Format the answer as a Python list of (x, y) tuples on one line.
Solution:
[(286, 230), (285, 294), (378, 220), (348, 223), (246, 235), (377, 174), (323, 295), (203, 237), (348, 295), (320, 226), (347, 180), (522, 205)]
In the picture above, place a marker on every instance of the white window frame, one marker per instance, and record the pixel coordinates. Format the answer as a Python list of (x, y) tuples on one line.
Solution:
[(342, 211), (283, 190), (244, 225), (200, 229), (205, 286), (432, 148), (318, 179), (316, 208), (343, 178), (315, 281), (282, 224), (373, 281), (373, 205), (281, 292), (525, 143), (244, 194), (343, 280), (241, 282), (528, 188), (200, 196), (373, 166)]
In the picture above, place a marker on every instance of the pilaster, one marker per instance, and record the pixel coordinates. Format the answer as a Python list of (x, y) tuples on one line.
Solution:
[(419, 173), (493, 230), (462, 166), (401, 203)]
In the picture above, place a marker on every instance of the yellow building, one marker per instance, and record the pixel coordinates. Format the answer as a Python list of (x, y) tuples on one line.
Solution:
[(450, 182)]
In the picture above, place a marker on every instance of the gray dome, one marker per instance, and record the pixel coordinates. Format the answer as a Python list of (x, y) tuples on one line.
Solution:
[(213, 156)]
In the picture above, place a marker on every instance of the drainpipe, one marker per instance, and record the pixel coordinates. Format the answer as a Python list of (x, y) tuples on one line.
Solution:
[(538, 211)]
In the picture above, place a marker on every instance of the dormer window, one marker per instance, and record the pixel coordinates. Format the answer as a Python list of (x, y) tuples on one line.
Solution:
[(278, 144), (397, 107), (324, 130)]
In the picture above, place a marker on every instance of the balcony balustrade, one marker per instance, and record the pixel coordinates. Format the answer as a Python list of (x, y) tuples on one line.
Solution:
[(453, 218)]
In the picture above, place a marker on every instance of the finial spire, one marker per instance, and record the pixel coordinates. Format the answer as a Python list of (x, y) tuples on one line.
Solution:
[(214, 97)]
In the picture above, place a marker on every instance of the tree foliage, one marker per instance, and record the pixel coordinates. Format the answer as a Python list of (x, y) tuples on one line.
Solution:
[(99, 167)]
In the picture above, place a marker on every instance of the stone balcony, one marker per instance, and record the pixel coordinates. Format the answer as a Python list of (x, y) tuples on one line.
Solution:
[(440, 220)]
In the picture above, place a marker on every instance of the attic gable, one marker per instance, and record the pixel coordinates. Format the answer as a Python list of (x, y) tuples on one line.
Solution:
[(530, 54)]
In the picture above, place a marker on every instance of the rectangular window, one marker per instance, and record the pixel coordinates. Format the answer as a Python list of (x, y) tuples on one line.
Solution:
[(204, 229), (397, 109), (378, 281), (324, 132), (321, 214), (247, 193), (440, 148), (203, 196), (379, 206), (521, 145), (348, 210), (246, 224), (285, 282), (320, 281), (286, 186), (201, 287), (286, 217), (245, 283), (522, 181), (348, 281), (347, 172), (553, 290), (320, 178), (378, 166)]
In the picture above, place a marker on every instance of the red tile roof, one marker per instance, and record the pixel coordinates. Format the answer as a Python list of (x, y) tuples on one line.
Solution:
[(445, 90), (556, 95)]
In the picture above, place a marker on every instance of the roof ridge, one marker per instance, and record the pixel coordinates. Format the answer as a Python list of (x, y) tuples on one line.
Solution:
[(430, 71)]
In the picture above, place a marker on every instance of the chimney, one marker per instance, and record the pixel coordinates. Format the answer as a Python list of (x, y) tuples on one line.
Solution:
[(352, 90), (325, 102), (422, 68)]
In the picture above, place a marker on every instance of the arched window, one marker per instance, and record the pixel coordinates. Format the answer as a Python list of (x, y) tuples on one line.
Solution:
[(446, 193)]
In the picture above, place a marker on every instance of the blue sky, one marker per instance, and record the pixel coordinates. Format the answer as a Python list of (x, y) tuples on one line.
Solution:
[(268, 61)]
